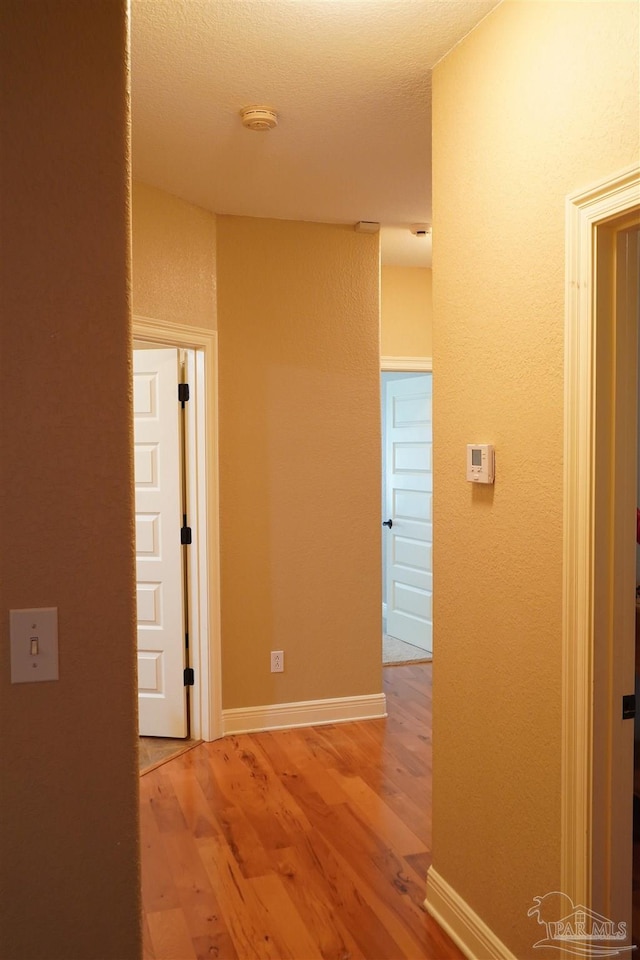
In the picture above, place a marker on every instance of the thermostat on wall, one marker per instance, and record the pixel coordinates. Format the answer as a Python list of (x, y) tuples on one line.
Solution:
[(480, 462)]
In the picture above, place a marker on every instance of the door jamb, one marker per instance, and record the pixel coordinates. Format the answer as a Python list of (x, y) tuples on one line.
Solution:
[(406, 364), (205, 652), (585, 212)]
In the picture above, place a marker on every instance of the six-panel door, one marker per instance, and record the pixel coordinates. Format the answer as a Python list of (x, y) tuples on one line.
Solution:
[(160, 603)]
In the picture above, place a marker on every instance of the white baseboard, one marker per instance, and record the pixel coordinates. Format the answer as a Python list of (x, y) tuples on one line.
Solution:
[(306, 713), (476, 940)]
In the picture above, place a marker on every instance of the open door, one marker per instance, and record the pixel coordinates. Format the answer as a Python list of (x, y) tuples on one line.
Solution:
[(408, 520), (158, 459)]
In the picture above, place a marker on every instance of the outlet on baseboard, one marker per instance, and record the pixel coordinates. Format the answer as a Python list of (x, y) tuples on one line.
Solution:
[(277, 661)]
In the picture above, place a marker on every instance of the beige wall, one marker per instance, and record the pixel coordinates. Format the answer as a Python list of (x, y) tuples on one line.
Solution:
[(544, 97), (406, 311), (174, 258), (298, 318), (69, 862)]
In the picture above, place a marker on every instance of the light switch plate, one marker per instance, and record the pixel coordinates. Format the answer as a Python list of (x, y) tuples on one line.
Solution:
[(34, 644)]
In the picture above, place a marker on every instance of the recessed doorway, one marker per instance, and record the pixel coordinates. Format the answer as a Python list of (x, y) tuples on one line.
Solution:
[(201, 590)]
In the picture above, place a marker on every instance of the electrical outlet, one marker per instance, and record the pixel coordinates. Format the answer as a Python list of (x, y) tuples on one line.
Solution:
[(277, 661)]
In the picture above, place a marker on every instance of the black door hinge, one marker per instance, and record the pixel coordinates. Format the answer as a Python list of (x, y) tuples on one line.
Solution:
[(629, 706), (189, 677), (185, 532), (183, 393)]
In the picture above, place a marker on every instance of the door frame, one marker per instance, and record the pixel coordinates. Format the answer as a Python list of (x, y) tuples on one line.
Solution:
[(587, 827), (204, 581), (406, 365)]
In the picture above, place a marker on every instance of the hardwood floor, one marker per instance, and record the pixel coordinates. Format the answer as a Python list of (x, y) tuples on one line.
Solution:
[(297, 844)]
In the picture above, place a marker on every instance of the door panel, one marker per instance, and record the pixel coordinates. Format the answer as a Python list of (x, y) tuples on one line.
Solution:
[(409, 493), (159, 573), (412, 554), (412, 505)]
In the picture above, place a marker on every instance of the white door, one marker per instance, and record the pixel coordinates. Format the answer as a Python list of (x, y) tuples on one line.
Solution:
[(409, 486), (159, 572)]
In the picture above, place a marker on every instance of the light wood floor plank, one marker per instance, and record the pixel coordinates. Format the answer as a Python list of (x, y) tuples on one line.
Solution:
[(195, 893), (272, 895), (147, 947), (379, 816), (196, 809), (343, 888), (307, 888), (254, 930), (158, 891), (379, 876), (170, 936)]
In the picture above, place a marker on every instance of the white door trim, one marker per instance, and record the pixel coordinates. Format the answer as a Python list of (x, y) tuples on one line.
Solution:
[(205, 641), (408, 364), (584, 213)]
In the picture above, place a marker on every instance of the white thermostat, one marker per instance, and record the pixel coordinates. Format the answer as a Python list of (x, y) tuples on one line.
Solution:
[(481, 462)]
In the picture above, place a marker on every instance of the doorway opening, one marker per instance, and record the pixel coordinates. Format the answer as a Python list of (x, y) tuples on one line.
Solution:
[(407, 488), (599, 552), (201, 593)]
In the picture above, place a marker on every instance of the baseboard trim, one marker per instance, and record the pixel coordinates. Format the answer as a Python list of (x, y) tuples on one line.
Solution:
[(476, 940), (306, 713)]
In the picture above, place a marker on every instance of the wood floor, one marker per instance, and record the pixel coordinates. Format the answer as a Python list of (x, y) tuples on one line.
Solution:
[(297, 844)]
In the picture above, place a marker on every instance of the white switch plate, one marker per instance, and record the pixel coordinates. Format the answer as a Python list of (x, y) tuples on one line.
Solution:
[(34, 644)]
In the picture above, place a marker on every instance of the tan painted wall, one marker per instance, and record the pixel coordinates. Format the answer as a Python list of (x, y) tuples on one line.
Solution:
[(174, 258), (406, 311), (69, 863), (544, 97), (298, 317)]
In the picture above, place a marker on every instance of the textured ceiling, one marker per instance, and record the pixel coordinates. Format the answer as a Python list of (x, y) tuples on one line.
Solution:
[(350, 80)]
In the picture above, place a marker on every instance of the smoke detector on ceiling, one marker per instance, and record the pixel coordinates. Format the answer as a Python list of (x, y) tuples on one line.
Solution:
[(420, 229), (259, 118)]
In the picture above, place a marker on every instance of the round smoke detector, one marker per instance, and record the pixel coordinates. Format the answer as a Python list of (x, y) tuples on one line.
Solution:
[(259, 118)]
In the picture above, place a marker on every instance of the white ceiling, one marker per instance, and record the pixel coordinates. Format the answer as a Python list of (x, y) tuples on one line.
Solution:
[(349, 79)]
